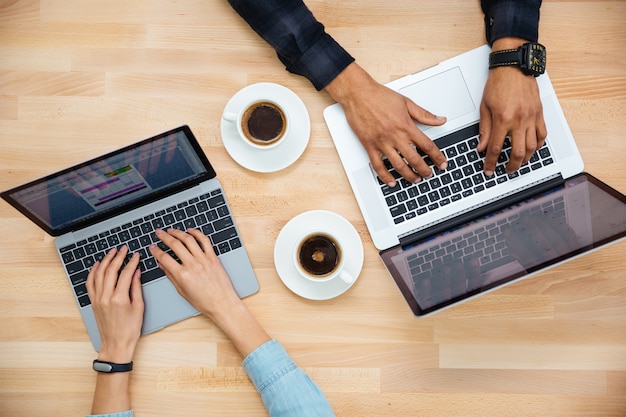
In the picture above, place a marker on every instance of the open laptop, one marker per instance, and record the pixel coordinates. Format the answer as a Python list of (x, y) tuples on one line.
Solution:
[(120, 198), (405, 216)]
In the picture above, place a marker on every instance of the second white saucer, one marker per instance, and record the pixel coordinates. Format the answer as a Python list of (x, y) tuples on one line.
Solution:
[(287, 239)]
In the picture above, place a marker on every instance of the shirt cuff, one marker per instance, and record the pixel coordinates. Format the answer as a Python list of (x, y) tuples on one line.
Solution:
[(512, 18), (267, 363), (322, 62)]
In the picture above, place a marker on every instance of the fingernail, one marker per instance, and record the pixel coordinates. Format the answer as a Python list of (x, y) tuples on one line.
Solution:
[(391, 184), (429, 176), (158, 231), (488, 173), (419, 179), (443, 166)]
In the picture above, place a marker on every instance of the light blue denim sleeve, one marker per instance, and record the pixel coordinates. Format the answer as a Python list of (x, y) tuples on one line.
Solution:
[(285, 389), (128, 413)]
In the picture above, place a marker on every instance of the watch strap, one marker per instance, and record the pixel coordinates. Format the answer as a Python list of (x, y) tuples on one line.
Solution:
[(111, 367), (505, 57)]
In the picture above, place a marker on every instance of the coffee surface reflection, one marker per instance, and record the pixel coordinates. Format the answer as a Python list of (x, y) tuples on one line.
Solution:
[(319, 255)]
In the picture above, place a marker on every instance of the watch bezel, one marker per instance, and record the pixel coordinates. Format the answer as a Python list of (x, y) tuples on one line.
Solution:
[(533, 58)]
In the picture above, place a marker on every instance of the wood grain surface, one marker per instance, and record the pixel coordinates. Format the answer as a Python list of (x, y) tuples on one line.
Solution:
[(82, 77)]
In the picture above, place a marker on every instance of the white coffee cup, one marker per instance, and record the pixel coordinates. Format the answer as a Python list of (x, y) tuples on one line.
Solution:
[(319, 256), (261, 123)]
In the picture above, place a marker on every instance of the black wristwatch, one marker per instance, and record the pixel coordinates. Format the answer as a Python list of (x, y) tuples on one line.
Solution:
[(530, 58), (110, 367)]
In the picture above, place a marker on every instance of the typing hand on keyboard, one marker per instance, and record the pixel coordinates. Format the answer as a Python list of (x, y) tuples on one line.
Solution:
[(511, 106), (199, 276), (384, 122)]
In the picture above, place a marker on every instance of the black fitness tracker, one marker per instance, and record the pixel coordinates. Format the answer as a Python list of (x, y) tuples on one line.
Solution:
[(530, 58), (110, 367)]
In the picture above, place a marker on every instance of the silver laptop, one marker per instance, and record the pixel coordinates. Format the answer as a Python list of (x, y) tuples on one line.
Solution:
[(404, 217), (120, 198)]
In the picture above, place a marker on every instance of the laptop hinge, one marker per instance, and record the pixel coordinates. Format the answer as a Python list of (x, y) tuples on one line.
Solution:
[(475, 212)]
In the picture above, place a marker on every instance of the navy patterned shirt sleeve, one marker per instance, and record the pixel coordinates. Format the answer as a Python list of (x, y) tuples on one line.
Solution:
[(300, 41), (519, 18)]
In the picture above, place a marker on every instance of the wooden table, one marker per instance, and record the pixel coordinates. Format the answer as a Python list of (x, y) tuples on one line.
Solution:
[(78, 78)]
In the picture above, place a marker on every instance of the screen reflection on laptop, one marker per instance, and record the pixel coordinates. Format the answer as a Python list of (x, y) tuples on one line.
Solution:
[(511, 243)]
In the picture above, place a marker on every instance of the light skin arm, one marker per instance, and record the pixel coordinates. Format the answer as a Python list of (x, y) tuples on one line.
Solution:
[(511, 106), (202, 280), (384, 122), (118, 307)]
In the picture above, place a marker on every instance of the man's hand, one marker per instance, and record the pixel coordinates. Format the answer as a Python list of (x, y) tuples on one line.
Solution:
[(384, 122), (511, 106)]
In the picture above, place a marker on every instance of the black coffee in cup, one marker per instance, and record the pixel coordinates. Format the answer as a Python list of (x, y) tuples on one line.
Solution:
[(263, 123), (319, 255)]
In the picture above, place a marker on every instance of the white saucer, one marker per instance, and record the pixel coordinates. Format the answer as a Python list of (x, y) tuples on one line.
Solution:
[(291, 147), (311, 221)]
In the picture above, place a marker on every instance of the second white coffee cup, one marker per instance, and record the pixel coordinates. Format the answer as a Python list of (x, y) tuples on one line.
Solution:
[(319, 256)]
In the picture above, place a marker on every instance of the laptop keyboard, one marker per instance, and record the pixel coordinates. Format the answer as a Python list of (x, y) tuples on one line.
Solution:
[(463, 177), (208, 213)]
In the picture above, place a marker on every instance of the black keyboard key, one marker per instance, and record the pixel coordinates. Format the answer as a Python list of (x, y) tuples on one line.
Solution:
[(79, 277), (544, 152), (158, 223), (223, 247), (80, 290), (227, 234), (133, 245), (398, 210), (478, 178), (124, 236), (223, 223), (79, 253), (149, 263), (84, 301), (235, 243), (216, 201), (191, 211), (90, 249), (67, 248), (151, 275), (67, 257), (135, 231), (74, 267), (207, 229), (113, 240), (88, 261)]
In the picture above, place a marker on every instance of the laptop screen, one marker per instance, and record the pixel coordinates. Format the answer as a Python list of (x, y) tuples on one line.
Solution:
[(105, 186), (509, 244)]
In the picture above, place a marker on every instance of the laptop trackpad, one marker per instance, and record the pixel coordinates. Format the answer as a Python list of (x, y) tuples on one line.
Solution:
[(163, 305), (444, 94)]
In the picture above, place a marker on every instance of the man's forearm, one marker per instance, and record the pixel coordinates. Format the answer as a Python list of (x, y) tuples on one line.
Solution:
[(298, 38)]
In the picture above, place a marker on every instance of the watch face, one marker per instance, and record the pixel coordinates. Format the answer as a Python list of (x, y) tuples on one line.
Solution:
[(535, 59)]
